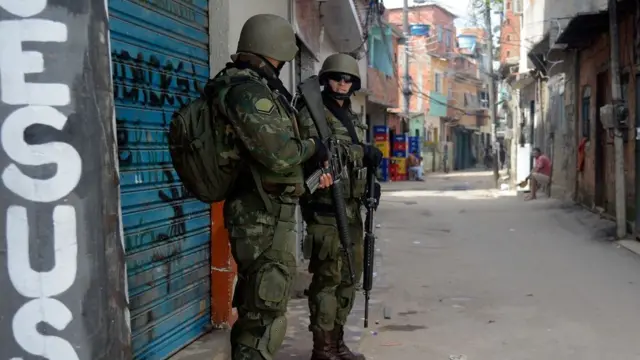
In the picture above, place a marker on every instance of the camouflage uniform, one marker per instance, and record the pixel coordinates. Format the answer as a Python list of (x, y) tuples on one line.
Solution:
[(331, 295), (261, 218)]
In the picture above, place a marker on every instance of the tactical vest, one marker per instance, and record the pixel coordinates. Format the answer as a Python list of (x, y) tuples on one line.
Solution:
[(355, 181), (292, 179)]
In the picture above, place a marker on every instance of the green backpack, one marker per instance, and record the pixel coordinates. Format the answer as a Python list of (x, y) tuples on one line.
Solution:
[(203, 145)]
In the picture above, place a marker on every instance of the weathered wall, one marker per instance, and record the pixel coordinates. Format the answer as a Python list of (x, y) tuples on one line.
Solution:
[(593, 61), (561, 116)]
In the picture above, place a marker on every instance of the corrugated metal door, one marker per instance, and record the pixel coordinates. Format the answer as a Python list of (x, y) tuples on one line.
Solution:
[(160, 54)]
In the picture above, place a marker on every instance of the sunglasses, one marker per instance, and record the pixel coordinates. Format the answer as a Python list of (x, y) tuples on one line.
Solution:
[(337, 77)]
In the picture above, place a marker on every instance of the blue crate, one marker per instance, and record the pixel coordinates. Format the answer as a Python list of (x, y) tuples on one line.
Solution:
[(380, 129), (400, 138)]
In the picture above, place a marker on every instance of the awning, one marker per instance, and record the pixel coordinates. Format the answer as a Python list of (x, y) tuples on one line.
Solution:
[(582, 28), (585, 26), (342, 23)]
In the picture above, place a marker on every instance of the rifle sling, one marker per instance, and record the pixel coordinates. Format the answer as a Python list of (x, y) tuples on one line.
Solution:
[(341, 113)]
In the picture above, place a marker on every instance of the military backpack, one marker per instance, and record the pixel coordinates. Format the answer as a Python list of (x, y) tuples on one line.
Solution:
[(203, 147)]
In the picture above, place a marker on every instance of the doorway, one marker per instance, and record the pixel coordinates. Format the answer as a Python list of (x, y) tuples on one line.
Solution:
[(599, 198)]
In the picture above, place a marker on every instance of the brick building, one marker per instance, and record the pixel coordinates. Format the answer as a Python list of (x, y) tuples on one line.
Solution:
[(510, 34), (432, 43)]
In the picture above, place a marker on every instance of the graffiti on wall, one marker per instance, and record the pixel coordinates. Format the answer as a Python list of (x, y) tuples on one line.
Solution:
[(165, 229), (145, 80), (36, 104)]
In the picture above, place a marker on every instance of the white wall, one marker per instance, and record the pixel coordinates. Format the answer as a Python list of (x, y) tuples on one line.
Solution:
[(241, 10)]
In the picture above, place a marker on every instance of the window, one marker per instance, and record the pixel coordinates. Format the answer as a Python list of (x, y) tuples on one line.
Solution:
[(381, 51), (437, 82), (508, 53), (439, 33), (508, 21), (447, 39), (585, 112), (508, 37)]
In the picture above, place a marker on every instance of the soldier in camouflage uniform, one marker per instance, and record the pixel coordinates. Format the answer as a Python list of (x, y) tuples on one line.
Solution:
[(259, 213), (331, 295)]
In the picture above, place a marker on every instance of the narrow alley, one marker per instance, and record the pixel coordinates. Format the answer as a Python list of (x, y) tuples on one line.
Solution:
[(471, 273)]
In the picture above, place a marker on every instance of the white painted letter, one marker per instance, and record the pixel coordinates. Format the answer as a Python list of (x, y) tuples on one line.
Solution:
[(24, 8), (35, 284), (15, 63), (52, 312), (65, 156)]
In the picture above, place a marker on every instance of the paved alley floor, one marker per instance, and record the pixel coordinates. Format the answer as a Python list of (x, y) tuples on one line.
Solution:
[(476, 274)]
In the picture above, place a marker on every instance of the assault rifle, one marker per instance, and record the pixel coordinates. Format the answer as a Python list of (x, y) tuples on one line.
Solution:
[(369, 241), (309, 91)]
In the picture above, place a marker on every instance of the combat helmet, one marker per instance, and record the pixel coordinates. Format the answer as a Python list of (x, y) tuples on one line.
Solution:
[(341, 63), (270, 36)]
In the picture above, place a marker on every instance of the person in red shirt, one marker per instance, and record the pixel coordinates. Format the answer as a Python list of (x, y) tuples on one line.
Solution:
[(541, 173)]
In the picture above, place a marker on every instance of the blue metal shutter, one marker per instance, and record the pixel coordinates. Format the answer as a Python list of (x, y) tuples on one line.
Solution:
[(160, 54)]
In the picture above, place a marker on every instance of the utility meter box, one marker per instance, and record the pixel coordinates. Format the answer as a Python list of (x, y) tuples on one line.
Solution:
[(607, 116)]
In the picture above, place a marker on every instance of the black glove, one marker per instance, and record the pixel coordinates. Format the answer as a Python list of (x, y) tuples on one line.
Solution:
[(377, 192), (322, 154), (372, 156)]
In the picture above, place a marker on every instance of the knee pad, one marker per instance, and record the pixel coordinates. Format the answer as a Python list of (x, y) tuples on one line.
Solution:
[(346, 297), (272, 338), (324, 308)]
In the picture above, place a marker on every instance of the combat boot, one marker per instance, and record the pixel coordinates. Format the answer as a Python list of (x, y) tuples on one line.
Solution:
[(341, 348), (323, 345)]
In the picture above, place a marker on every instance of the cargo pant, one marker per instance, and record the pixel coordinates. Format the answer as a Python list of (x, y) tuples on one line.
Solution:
[(262, 244), (331, 294)]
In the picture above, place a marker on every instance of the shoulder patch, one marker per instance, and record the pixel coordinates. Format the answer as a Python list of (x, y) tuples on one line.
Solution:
[(264, 106)]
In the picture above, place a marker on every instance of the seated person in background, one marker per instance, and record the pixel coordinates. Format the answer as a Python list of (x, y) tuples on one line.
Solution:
[(541, 173), (414, 162)]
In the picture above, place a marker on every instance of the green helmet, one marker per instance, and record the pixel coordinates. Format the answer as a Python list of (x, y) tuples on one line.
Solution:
[(270, 36), (341, 63)]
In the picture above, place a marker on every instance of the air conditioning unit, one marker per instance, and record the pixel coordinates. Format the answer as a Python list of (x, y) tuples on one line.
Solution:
[(514, 69)]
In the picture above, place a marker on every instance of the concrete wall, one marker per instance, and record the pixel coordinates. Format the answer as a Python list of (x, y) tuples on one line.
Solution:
[(561, 118)]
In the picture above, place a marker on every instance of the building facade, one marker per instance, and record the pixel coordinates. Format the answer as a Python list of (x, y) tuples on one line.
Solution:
[(432, 43), (563, 89)]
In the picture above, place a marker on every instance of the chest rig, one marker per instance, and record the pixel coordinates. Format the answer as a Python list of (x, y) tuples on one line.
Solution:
[(349, 140)]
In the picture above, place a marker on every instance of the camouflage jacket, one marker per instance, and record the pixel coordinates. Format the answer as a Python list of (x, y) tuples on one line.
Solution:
[(354, 183), (265, 126)]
